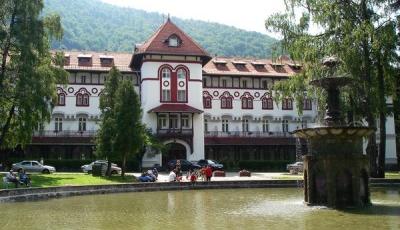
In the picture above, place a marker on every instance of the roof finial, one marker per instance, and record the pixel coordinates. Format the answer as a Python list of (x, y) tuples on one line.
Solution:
[(168, 19)]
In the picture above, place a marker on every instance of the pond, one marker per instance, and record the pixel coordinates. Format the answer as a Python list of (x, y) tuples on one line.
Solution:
[(270, 208)]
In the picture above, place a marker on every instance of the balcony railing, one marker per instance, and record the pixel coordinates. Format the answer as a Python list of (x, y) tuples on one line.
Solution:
[(246, 134), (177, 132), (66, 133)]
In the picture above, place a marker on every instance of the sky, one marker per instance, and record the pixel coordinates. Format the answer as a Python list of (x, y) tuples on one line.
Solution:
[(249, 14)]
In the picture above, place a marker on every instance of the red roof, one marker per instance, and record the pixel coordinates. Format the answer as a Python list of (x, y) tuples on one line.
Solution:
[(222, 66), (158, 44), (174, 108)]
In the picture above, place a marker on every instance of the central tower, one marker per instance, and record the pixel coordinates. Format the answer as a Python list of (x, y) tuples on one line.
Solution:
[(170, 63)]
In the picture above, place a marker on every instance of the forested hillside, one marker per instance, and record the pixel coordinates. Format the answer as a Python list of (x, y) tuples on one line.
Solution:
[(93, 25)]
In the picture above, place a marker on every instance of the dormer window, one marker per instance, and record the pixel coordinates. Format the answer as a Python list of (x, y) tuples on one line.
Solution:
[(67, 59), (240, 65), (174, 41), (85, 60), (106, 61)]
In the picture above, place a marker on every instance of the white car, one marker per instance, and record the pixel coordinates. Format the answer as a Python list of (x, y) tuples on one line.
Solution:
[(295, 167), (32, 166), (88, 168)]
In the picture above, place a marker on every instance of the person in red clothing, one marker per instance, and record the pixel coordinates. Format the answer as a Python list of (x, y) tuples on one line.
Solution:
[(208, 172)]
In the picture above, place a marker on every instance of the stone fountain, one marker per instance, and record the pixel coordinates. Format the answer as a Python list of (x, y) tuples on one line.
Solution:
[(335, 168)]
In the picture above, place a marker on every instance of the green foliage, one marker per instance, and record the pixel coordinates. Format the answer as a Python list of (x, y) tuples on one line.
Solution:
[(28, 77), (93, 25)]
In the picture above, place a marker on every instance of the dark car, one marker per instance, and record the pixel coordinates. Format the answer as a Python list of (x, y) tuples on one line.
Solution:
[(185, 165), (214, 165)]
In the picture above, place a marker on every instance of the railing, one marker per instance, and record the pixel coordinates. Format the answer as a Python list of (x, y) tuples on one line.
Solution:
[(246, 134), (175, 131), (66, 133)]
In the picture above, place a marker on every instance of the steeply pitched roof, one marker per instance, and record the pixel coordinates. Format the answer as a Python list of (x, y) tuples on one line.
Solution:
[(158, 44)]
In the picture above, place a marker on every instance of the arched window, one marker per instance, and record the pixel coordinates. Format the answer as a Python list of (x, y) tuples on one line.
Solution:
[(267, 101), (307, 104), (166, 85), (207, 100), (61, 95), (287, 104), (82, 97), (247, 101), (174, 41), (181, 75), (61, 99), (226, 100)]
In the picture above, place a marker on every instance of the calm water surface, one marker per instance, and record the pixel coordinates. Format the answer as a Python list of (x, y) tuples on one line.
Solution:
[(202, 209)]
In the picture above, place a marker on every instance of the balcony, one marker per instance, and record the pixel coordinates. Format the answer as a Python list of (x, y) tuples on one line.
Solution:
[(66, 137), (246, 134), (175, 133), (248, 138)]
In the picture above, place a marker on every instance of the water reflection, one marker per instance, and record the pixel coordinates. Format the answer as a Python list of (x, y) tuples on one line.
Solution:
[(203, 209)]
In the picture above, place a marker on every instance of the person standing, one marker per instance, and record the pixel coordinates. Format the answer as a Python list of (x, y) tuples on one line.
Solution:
[(208, 172)]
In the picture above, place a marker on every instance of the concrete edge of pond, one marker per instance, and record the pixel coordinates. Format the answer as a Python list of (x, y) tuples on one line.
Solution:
[(32, 194)]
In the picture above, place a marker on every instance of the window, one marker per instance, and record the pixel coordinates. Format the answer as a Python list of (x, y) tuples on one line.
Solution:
[(207, 102), (185, 121), (82, 124), (265, 84), (173, 41), (247, 101), (82, 99), (244, 84), (181, 74), (83, 79), (173, 121), (267, 103), (205, 125), (61, 99), (245, 125), (226, 100), (225, 126), (265, 126), (285, 126), (204, 82), (166, 74), (307, 104), (181, 95), (57, 124), (166, 95), (162, 121), (287, 104), (224, 83)]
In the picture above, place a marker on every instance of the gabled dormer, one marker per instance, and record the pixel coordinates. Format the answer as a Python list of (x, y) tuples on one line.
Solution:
[(85, 60), (106, 61)]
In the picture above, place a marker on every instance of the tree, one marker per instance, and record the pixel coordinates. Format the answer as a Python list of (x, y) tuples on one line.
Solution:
[(104, 140), (28, 71), (361, 34), (130, 132)]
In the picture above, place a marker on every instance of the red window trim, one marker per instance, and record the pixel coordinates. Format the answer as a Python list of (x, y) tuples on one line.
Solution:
[(82, 104), (205, 100), (285, 102)]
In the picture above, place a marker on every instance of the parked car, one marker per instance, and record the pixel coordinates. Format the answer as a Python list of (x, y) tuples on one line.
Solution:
[(214, 164), (295, 167), (88, 168), (32, 166), (185, 165)]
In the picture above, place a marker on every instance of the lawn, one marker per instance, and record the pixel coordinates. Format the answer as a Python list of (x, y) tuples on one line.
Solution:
[(392, 175), (63, 179)]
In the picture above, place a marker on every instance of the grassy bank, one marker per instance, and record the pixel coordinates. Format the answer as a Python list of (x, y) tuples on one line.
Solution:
[(64, 179)]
